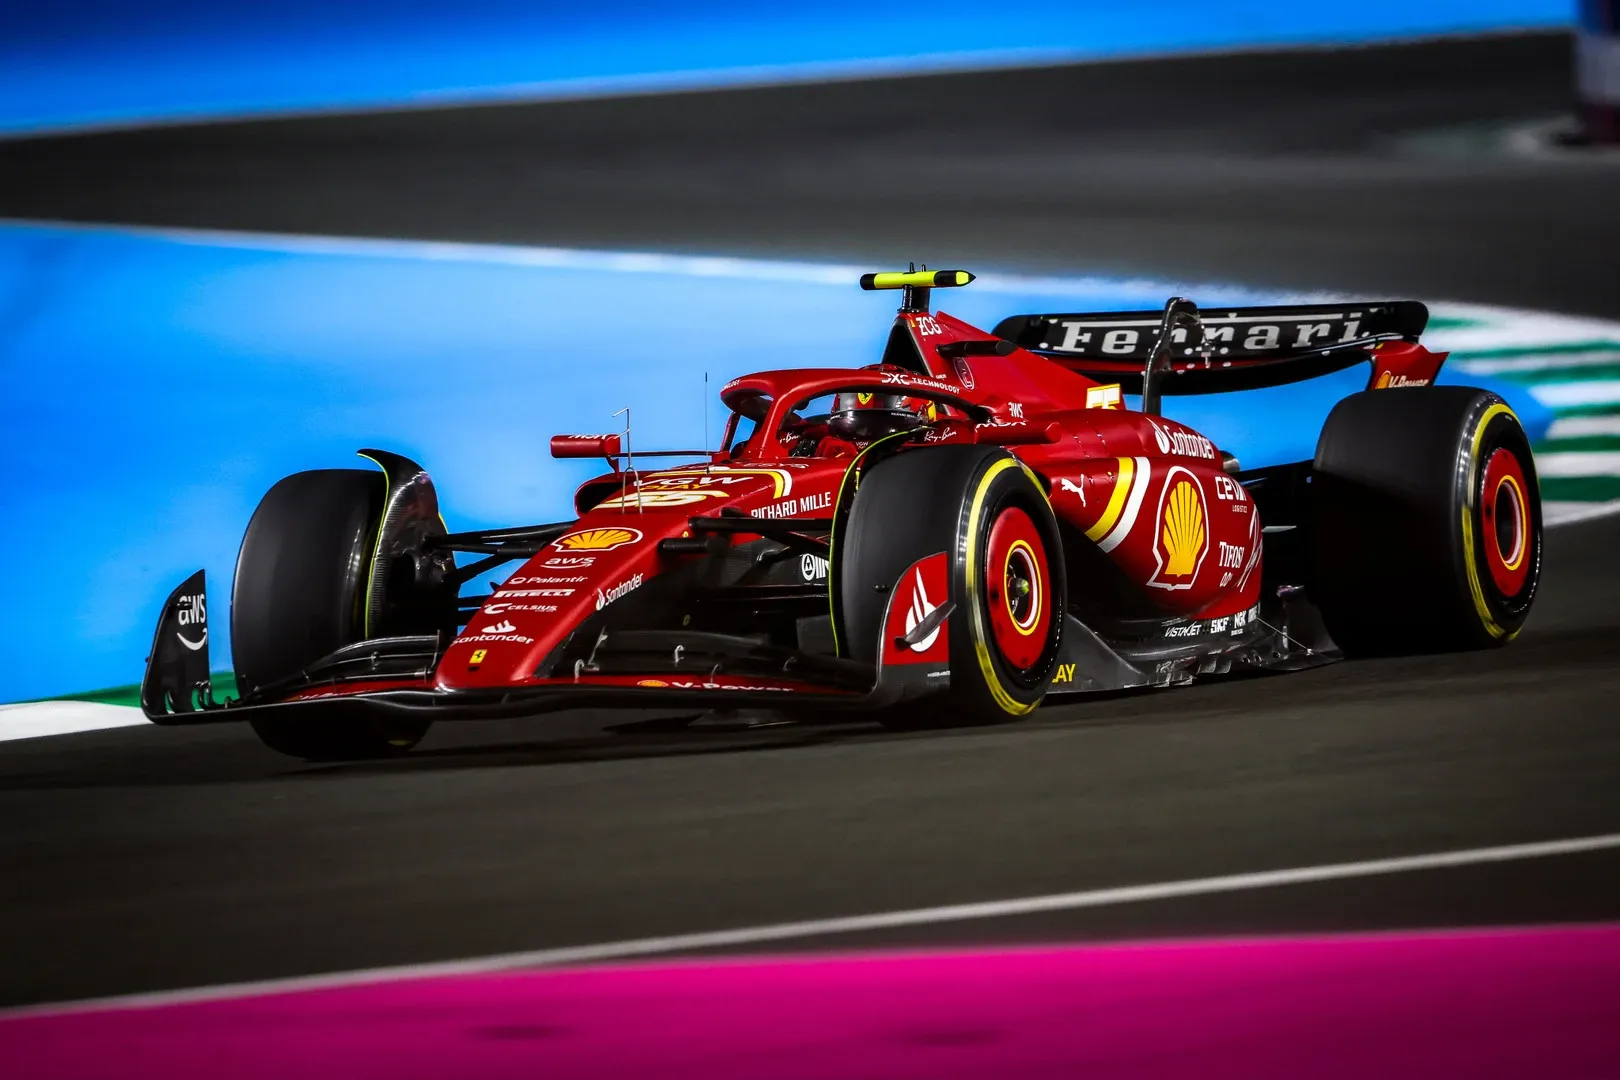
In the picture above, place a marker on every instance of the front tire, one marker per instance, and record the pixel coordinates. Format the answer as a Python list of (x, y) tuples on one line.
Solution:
[(982, 506), (1426, 522), (300, 594)]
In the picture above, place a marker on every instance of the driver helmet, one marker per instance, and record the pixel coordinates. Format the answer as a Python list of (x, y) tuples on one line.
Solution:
[(864, 417)]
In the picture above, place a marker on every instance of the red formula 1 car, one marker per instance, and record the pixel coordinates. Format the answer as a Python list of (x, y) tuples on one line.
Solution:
[(953, 535)]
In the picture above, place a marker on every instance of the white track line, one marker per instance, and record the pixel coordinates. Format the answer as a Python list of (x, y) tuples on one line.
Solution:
[(36, 719), (855, 924), (1579, 463)]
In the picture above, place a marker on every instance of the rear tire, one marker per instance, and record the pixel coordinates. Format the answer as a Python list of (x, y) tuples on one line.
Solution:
[(1426, 522), (300, 594), (983, 507)]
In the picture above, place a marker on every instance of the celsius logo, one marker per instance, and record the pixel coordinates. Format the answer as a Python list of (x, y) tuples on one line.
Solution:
[(1184, 443), (502, 627), (921, 608), (813, 567), (192, 611), (606, 597)]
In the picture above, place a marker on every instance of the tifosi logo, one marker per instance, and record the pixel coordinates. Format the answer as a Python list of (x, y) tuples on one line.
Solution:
[(812, 567), (604, 597), (1185, 443), (502, 627), (921, 608), (192, 611)]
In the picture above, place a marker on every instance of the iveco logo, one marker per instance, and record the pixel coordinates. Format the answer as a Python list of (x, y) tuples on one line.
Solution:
[(813, 567)]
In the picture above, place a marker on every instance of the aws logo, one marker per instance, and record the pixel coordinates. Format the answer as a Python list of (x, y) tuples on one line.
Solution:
[(1181, 534)]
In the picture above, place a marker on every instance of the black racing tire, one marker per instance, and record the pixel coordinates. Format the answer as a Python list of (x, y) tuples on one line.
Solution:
[(299, 594), (1426, 522), (964, 500)]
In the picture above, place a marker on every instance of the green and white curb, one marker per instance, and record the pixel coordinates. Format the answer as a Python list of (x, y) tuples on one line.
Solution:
[(1569, 364), (1572, 366)]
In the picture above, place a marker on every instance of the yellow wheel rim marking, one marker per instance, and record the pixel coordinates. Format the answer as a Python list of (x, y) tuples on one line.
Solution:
[(1481, 607), (1009, 704), (1035, 584)]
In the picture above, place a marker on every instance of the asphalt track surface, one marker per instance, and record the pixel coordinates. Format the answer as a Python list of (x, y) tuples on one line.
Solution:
[(143, 859)]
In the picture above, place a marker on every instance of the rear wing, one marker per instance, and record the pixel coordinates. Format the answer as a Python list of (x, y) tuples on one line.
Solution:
[(1182, 350)]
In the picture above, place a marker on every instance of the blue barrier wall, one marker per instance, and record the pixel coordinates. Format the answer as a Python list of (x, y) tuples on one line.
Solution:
[(75, 62), (158, 384)]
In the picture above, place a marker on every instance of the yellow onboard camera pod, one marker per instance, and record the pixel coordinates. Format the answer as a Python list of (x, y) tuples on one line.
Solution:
[(916, 279)]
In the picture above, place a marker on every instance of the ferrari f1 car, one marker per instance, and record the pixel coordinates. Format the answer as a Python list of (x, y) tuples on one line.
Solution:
[(972, 526)]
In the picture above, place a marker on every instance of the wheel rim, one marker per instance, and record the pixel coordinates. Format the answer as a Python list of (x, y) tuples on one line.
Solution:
[(1505, 515), (1018, 589)]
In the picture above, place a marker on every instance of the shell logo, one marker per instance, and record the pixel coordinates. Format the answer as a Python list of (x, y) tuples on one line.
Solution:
[(596, 539), (1182, 538)]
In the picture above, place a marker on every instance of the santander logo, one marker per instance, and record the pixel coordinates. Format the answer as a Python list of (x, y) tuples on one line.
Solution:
[(502, 627)]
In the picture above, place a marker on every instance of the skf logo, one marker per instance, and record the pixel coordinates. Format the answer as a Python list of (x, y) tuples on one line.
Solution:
[(1103, 397), (596, 539), (1064, 674), (1180, 538)]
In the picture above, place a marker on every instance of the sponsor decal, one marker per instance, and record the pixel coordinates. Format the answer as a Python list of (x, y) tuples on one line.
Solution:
[(1064, 674), (1386, 380), (502, 627), (1229, 490), (658, 499), (597, 539), (963, 371), (1181, 535), (921, 608), (1184, 630), (901, 378), (804, 504), (652, 684), (534, 592), (1103, 397), (812, 567), (1231, 556), (940, 435), (604, 597), (1171, 440), (686, 685), (927, 326), (569, 562), (1218, 626), (476, 658), (496, 609), (503, 639), (1239, 621), (545, 580), (863, 399), (192, 611), (1065, 484), (1220, 333), (1015, 409)]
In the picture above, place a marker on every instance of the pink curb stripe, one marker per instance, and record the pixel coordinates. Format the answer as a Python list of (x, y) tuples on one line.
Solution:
[(1478, 1004)]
